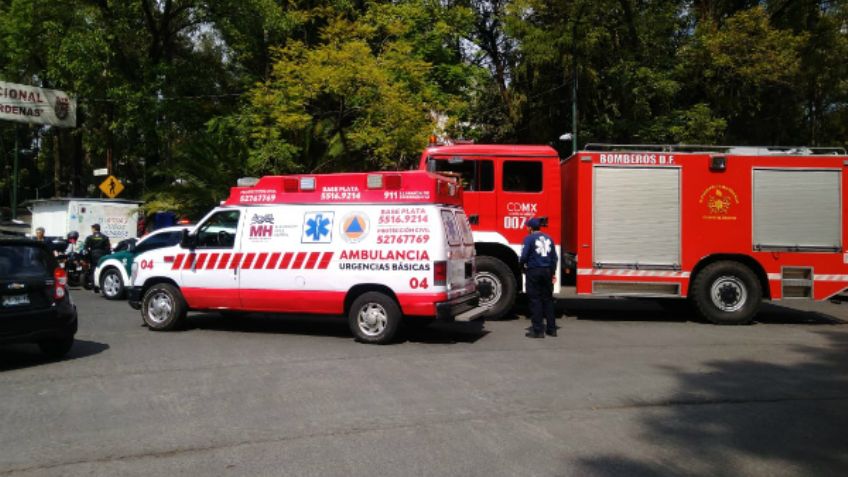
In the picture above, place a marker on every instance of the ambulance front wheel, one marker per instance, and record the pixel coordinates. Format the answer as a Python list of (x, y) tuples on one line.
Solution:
[(497, 287), (163, 307), (727, 293), (374, 318)]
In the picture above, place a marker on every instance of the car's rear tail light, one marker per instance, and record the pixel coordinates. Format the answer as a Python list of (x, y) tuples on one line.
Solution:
[(440, 273), (60, 278)]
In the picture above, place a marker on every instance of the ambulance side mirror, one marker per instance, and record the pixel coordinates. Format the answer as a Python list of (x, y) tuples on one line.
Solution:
[(188, 241)]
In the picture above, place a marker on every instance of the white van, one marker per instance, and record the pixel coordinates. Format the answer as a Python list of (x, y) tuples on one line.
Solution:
[(376, 247)]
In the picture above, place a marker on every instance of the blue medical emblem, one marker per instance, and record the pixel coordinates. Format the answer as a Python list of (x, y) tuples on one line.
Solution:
[(316, 227)]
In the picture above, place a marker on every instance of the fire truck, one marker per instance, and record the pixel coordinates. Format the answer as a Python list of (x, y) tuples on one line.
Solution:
[(723, 226)]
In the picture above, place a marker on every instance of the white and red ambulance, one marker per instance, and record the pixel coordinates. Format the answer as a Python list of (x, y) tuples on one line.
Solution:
[(378, 247)]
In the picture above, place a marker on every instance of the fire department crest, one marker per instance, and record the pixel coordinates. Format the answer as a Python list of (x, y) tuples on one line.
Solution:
[(719, 201)]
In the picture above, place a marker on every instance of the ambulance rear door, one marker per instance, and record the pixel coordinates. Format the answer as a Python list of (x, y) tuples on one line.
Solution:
[(460, 252), (209, 273)]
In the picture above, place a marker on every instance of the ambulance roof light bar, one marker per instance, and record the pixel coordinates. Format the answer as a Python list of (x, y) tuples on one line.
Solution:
[(307, 183), (738, 150), (380, 181)]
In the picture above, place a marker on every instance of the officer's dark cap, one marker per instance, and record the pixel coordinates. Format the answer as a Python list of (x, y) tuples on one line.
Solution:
[(96, 227), (534, 223)]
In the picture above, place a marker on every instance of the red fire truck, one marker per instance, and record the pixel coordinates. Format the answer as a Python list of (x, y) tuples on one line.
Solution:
[(724, 226)]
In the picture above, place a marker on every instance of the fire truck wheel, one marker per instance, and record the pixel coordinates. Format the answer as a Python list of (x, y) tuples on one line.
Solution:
[(111, 284), (497, 286), (163, 307), (374, 318), (727, 293)]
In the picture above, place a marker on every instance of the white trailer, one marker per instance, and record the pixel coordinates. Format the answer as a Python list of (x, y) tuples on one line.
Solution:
[(118, 218)]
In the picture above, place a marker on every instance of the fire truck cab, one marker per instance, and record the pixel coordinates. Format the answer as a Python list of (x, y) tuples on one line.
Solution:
[(723, 226), (381, 248)]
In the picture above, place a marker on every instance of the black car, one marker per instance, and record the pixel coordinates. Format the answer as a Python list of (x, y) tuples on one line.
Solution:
[(35, 306)]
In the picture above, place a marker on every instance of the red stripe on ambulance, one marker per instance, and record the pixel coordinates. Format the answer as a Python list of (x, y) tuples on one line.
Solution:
[(301, 256), (201, 259), (225, 259), (313, 259), (189, 261), (325, 260), (286, 260), (210, 264), (260, 261), (272, 262), (236, 261), (178, 261)]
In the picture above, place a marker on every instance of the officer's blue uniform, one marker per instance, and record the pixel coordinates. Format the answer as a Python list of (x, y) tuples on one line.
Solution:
[(539, 260)]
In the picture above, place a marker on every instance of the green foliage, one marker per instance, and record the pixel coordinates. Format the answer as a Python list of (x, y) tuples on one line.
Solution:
[(362, 97), (185, 96)]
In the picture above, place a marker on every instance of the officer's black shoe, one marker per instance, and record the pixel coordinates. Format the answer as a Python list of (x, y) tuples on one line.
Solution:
[(531, 334), (551, 333)]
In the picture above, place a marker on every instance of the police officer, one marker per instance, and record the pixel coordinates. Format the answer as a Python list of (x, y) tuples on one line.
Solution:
[(97, 244), (539, 260)]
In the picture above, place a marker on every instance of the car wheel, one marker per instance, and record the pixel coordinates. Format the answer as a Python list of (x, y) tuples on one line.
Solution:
[(374, 318), (497, 287), (112, 284), (163, 307), (727, 293), (57, 348)]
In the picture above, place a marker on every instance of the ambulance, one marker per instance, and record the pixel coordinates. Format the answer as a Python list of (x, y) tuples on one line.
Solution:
[(382, 248)]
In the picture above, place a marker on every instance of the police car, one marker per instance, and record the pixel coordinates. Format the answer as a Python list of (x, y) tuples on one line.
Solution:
[(112, 274), (376, 247)]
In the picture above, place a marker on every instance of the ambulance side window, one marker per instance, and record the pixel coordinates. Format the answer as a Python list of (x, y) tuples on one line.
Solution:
[(219, 231)]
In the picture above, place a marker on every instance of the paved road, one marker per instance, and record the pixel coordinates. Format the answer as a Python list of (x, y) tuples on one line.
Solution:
[(629, 388)]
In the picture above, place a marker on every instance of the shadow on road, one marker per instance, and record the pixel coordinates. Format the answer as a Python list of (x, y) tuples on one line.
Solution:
[(27, 355), (676, 310), (330, 326), (745, 417)]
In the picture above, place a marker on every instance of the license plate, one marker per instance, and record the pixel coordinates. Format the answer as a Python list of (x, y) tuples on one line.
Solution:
[(15, 300)]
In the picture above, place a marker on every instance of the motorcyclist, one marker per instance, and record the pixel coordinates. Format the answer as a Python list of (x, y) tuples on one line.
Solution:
[(73, 242)]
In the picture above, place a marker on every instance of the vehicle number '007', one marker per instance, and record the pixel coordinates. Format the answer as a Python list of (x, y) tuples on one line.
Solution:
[(514, 222), (146, 264), (416, 283)]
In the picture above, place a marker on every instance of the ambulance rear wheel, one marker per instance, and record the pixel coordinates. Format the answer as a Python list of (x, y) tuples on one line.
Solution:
[(727, 293), (374, 318), (497, 287), (163, 307)]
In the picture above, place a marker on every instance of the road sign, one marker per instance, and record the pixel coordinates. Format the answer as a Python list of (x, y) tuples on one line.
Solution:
[(111, 187), (101, 172)]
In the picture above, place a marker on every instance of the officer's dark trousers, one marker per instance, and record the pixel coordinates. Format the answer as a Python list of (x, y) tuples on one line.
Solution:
[(540, 291)]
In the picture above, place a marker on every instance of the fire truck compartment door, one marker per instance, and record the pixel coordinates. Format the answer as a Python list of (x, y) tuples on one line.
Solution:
[(797, 209), (636, 216)]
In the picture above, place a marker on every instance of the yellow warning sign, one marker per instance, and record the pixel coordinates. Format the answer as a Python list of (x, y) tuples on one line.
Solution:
[(111, 187)]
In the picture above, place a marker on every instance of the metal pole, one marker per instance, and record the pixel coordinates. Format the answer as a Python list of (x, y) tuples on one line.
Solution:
[(574, 111), (15, 179)]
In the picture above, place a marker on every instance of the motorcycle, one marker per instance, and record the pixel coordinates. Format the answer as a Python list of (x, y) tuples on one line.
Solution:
[(74, 266)]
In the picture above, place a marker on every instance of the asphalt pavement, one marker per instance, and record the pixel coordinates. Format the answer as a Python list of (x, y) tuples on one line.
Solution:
[(628, 388)]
